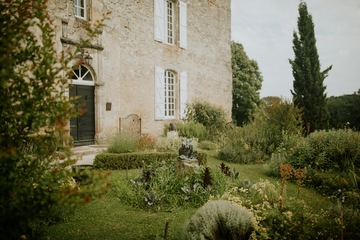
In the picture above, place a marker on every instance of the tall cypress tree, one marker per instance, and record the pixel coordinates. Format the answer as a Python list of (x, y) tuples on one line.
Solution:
[(308, 85)]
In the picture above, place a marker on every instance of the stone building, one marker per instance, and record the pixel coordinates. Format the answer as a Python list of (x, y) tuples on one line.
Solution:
[(151, 58)]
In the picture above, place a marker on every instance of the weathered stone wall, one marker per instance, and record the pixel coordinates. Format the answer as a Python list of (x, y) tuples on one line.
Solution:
[(124, 69)]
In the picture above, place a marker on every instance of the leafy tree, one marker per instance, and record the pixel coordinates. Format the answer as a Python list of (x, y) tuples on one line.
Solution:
[(247, 82), (34, 111), (308, 85), (277, 118), (207, 114), (345, 111)]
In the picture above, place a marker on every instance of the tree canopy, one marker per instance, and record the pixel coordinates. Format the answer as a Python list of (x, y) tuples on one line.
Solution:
[(345, 111), (308, 85), (247, 81)]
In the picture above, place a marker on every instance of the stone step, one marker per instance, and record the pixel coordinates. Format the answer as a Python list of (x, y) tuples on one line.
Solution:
[(88, 150)]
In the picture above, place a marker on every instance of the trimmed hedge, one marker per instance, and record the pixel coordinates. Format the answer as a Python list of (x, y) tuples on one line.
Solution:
[(118, 161)]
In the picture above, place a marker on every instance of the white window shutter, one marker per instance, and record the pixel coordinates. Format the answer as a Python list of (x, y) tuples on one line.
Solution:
[(159, 20), (159, 94), (183, 94), (183, 24)]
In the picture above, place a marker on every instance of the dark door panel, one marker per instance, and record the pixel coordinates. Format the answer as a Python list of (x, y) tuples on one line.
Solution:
[(83, 126)]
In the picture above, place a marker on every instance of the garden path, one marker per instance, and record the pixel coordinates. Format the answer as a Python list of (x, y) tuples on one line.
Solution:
[(85, 155)]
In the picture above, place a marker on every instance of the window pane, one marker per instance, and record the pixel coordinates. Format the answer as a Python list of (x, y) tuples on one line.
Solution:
[(76, 74), (170, 22)]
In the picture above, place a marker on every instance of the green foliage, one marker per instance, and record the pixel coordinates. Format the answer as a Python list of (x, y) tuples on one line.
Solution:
[(160, 186), (192, 129), (145, 142), (202, 157), (247, 82), (278, 120), (345, 111), (123, 143), (309, 90), (243, 145), (168, 144), (276, 125), (212, 117), (33, 103), (331, 159), (115, 161), (296, 220), (335, 149), (228, 172), (207, 145), (220, 219)]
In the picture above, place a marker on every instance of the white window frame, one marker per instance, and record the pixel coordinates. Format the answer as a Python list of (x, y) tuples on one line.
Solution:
[(78, 79), (170, 23), (78, 8), (169, 87), (169, 94)]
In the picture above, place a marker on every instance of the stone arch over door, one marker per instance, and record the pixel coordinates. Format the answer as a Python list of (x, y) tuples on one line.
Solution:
[(82, 127)]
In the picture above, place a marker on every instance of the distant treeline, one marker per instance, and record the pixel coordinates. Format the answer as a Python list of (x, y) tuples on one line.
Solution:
[(345, 111)]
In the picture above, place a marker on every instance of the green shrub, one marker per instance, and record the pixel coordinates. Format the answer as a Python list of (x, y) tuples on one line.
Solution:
[(201, 157), (116, 161), (332, 159), (334, 149), (242, 145), (192, 130), (296, 220), (220, 219), (277, 119), (211, 116), (161, 186), (168, 144), (145, 142), (207, 145), (123, 143)]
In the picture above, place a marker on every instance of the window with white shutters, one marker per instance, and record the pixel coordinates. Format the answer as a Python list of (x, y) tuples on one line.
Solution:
[(169, 87), (170, 25)]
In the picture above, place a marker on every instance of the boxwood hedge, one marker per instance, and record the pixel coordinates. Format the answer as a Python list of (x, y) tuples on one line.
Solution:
[(117, 161)]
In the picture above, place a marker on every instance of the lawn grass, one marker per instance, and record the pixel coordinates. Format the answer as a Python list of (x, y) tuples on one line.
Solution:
[(109, 218)]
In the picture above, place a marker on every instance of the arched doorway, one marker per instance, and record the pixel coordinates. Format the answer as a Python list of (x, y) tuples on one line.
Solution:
[(82, 128)]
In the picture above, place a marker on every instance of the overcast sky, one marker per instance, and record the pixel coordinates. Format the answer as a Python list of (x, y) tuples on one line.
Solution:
[(265, 28)]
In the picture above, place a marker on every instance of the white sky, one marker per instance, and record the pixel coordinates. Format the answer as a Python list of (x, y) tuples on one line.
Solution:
[(265, 28)]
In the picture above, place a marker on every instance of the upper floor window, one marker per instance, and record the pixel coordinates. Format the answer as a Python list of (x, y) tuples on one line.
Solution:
[(170, 24), (80, 8)]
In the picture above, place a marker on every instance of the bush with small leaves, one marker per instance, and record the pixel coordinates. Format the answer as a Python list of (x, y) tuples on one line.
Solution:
[(123, 143), (209, 115), (220, 219)]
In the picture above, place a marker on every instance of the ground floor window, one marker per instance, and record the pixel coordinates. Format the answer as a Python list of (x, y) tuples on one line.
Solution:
[(170, 94)]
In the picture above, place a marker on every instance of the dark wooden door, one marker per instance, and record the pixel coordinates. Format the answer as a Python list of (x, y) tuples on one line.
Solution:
[(82, 128)]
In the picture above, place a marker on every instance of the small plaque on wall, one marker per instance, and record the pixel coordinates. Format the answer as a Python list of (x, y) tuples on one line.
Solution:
[(108, 106)]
